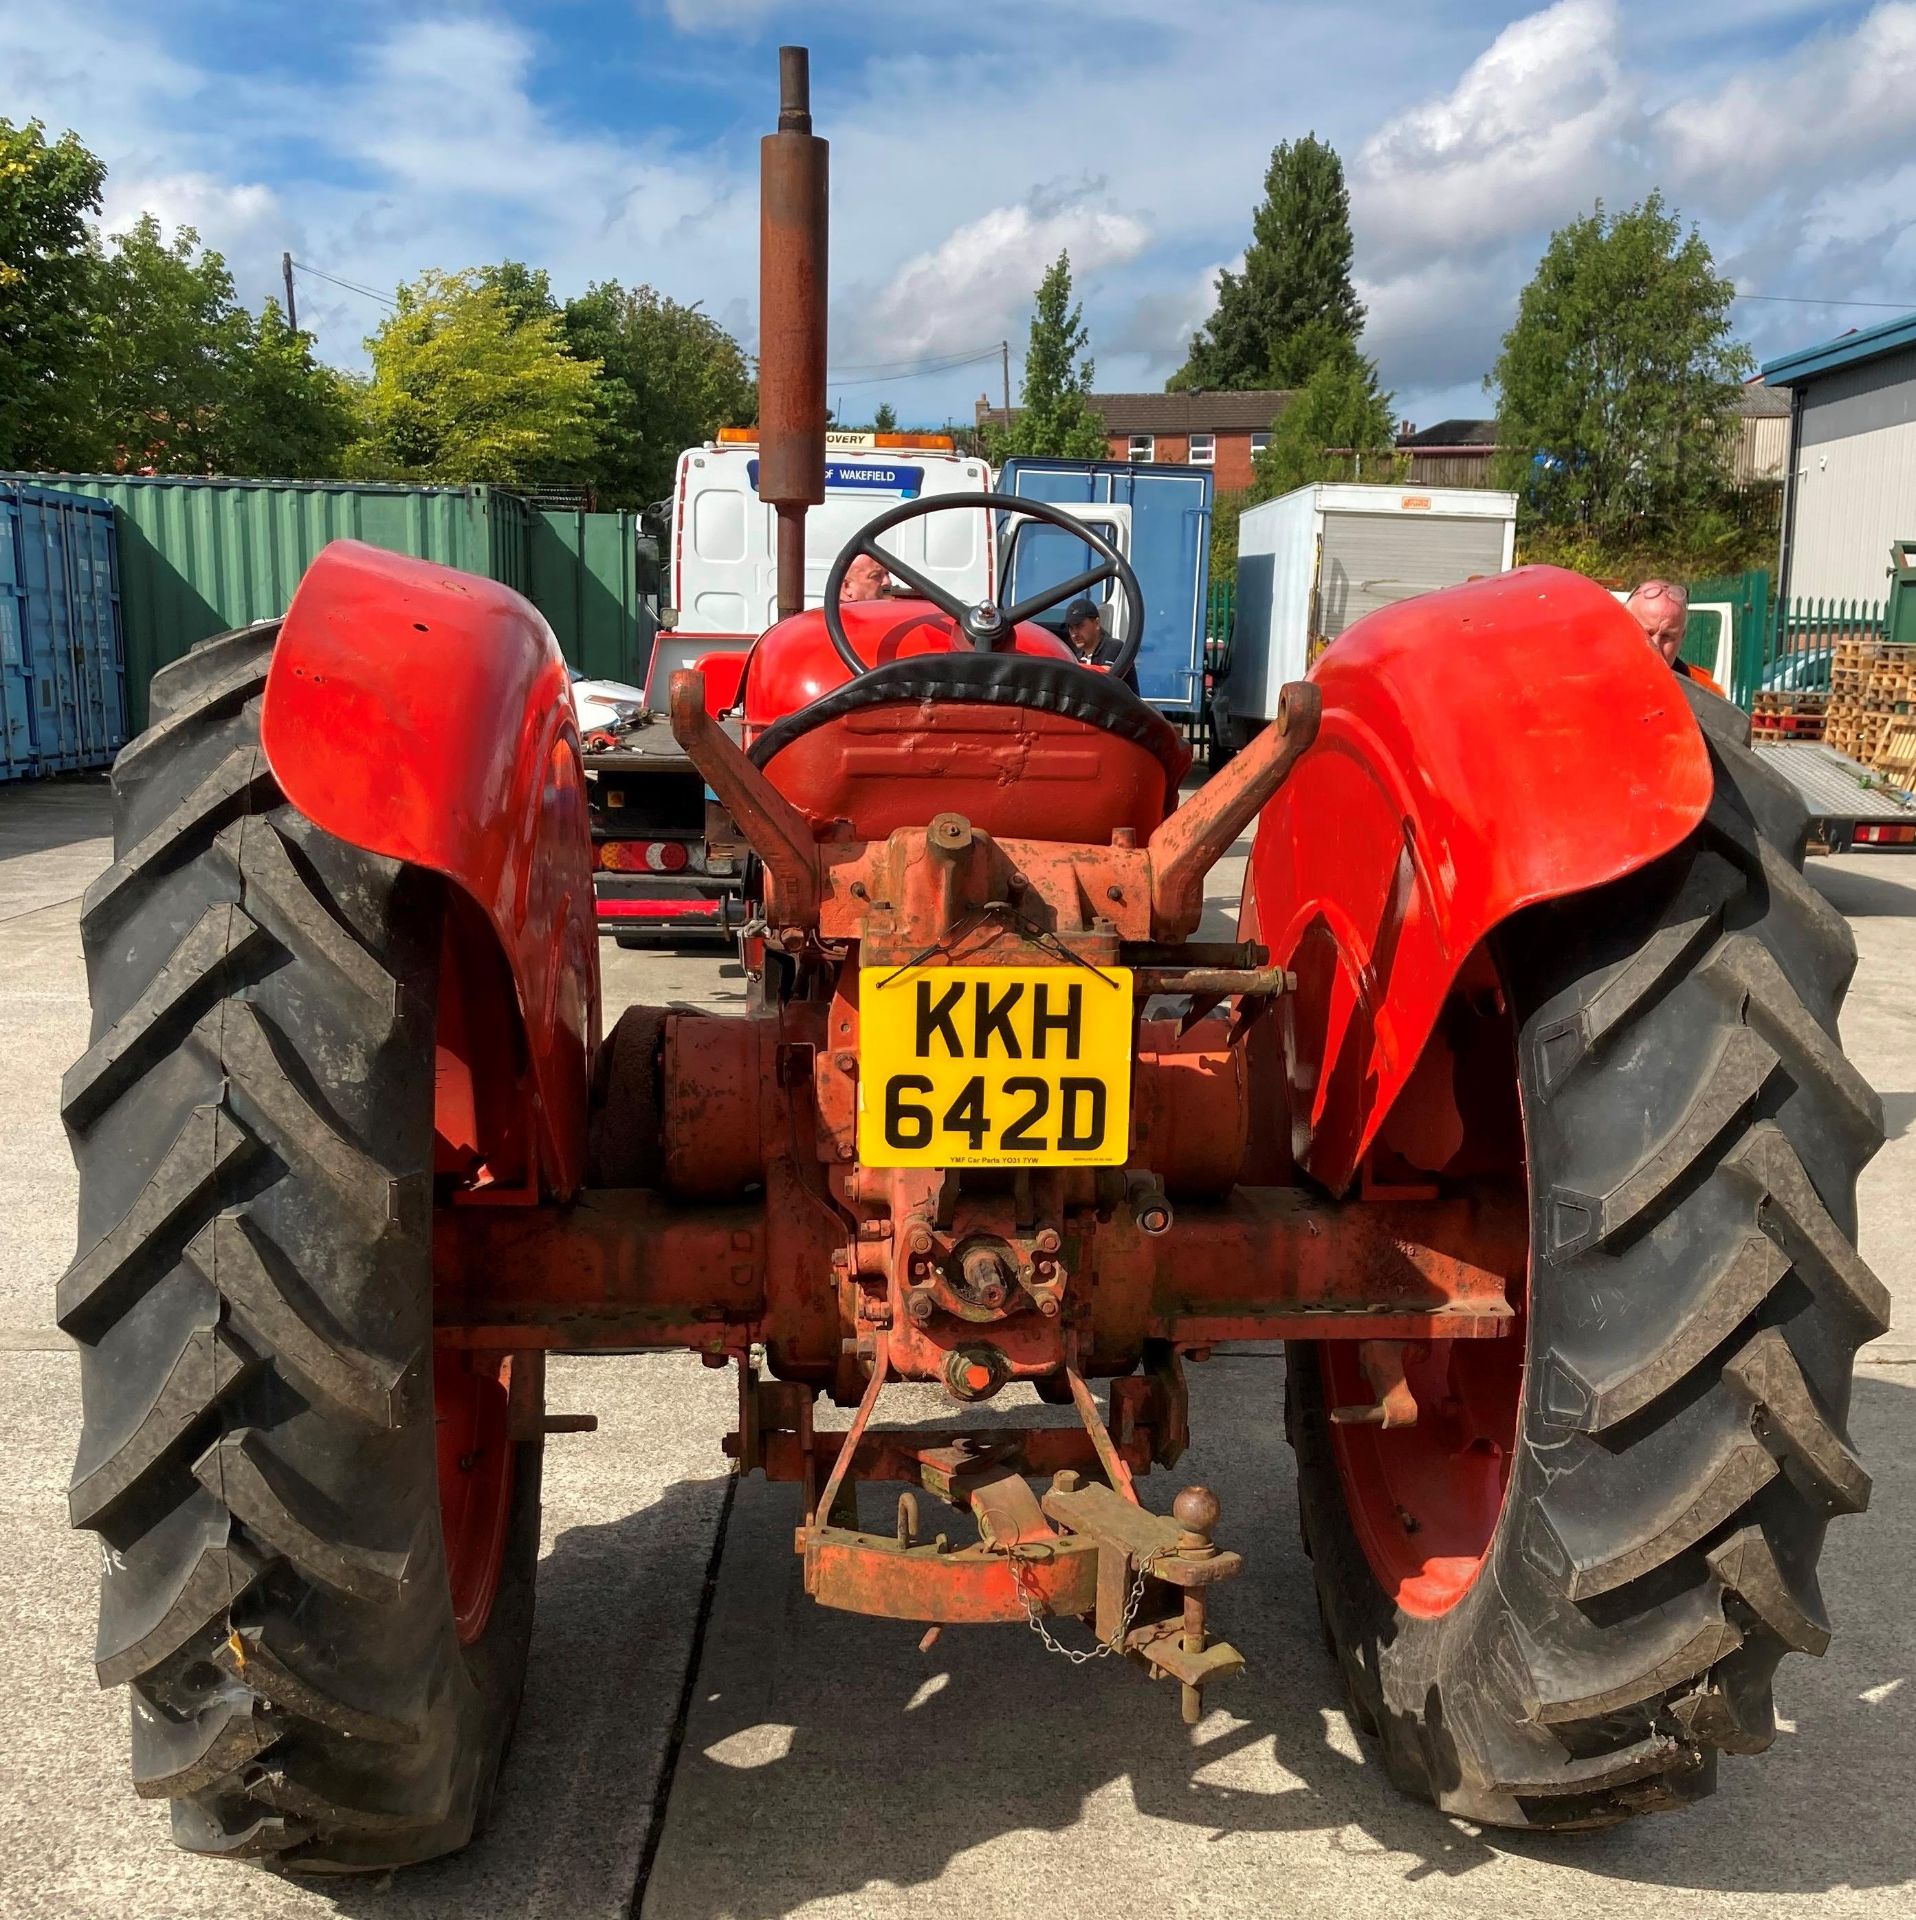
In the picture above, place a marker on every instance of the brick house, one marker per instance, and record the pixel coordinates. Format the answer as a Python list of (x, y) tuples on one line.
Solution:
[(1223, 431)]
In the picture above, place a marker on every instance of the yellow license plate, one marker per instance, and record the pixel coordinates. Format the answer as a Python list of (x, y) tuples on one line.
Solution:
[(994, 1066)]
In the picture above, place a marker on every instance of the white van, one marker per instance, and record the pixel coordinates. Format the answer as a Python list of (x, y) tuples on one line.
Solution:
[(721, 583)]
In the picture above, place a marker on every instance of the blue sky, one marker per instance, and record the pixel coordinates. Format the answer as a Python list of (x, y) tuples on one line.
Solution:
[(970, 142)]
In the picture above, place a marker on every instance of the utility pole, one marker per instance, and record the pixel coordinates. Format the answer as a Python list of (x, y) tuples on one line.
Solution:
[(1004, 362), (292, 305)]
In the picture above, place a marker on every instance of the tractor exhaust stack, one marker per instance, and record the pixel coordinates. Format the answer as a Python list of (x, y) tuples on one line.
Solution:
[(792, 235)]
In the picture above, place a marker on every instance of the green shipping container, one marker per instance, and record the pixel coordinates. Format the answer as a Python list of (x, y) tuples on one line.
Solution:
[(200, 555)]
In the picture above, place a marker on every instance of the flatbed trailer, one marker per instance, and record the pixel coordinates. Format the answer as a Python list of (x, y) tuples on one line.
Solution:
[(679, 877), (1848, 804)]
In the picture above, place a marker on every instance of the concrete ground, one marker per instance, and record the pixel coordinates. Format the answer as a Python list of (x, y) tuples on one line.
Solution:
[(820, 1763)]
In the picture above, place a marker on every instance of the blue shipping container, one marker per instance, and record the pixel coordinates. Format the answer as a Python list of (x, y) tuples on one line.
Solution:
[(62, 661), (1164, 518)]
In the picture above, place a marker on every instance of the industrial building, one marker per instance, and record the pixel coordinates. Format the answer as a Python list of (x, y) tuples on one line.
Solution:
[(1851, 477)]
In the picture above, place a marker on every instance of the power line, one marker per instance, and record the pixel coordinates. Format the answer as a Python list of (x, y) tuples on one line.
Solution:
[(1804, 300), (915, 372), (351, 286), (892, 366)]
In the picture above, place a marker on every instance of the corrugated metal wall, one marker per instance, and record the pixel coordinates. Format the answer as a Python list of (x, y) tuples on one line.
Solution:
[(1761, 448), (200, 555), (197, 556), (582, 574), (62, 669), (1855, 478)]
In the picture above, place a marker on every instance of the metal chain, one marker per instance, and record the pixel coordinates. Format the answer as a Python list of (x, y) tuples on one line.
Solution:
[(1029, 1593)]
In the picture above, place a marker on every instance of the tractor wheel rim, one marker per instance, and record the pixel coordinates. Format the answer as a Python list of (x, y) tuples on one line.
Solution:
[(470, 1396), (1425, 1500)]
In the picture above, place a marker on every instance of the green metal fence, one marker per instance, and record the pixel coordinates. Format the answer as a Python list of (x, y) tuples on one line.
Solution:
[(1746, 596), (199, 555), (1220, 609), (1803, 640)]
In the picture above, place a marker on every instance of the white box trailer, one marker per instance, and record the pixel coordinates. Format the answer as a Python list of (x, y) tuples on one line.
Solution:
[(1315, 561)]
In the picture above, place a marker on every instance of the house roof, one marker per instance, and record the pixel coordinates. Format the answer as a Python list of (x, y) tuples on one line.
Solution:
[(1759, 401), (1250, 412), (1846, 350), (1450, 433)]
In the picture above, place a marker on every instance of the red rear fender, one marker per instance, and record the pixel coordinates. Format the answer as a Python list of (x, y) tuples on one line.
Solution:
[(425, 714), (1481, 749)]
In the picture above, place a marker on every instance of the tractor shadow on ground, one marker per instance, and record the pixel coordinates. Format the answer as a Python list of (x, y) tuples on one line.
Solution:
[(40, 816), (825, 1755), (1864, 896), (617, 1606)]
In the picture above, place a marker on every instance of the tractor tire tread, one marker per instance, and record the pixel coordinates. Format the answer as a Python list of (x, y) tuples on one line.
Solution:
[(1695, 1133), (252, 1126)]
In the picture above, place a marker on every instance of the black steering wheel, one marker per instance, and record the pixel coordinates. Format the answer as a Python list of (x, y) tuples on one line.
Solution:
[(987, 625)]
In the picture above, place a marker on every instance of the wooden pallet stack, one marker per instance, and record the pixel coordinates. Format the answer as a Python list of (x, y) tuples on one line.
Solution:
[(1788, 716), (1872, 701)]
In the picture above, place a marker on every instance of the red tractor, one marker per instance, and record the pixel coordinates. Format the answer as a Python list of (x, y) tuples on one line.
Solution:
[(1515, 1110)]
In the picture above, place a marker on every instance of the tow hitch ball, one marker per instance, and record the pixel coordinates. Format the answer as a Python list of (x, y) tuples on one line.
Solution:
[(1138, 1552)]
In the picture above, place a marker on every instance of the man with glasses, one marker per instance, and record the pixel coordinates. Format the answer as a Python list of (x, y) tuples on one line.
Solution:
[(1660, 608)]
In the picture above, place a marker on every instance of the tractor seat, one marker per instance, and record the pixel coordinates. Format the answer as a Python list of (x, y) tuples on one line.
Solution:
[(1024, 746)]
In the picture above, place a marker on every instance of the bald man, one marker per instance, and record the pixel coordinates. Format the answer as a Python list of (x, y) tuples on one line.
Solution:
[(1661, 608), (865, 579)]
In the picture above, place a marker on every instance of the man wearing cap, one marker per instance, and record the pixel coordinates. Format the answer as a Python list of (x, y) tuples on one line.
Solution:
[(1085, 631), (1660, 608)]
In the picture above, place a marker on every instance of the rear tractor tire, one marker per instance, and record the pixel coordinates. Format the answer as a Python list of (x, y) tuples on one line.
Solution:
[(1565, 1623), (318, 1541)]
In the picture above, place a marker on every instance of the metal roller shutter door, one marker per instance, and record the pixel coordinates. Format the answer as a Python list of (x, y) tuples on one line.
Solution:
[(1373, 560)]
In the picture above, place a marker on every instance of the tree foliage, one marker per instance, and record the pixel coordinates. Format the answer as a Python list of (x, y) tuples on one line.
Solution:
[(1337, 426), (472, 384), (183, 379), (1293, 305), (672, 377), (1615, 382), (135, 353), (884, 420), (1054, 415), (47, 189)]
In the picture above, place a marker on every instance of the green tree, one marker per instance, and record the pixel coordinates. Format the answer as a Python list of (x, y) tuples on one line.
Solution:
[(1337, 427), (286, 414), (464, 390), (1615, 383), (527, 291), (47, 189), (672, 378), (884, 420), (185, 380), (1054, 415), (1293, 303)]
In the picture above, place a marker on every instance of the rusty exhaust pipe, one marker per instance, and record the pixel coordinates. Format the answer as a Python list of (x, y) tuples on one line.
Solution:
[(792, 197)]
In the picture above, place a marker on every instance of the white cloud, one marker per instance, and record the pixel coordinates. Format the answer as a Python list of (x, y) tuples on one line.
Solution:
[(1838, 105), (976, 283), (243, 214), (1526, 137), (434, 139)]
